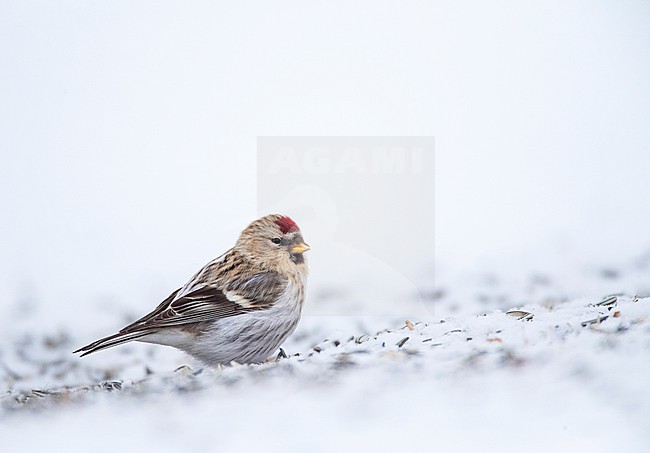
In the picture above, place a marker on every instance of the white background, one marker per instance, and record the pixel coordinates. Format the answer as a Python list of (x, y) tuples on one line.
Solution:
[(128, 130)]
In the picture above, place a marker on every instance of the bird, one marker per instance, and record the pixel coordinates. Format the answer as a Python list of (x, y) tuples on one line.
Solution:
[(240, 307)]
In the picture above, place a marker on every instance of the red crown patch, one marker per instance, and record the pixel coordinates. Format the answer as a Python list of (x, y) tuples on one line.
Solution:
[(286, 225)]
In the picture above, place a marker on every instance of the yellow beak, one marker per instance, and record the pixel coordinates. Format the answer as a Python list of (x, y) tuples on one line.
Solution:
[(300, 248)]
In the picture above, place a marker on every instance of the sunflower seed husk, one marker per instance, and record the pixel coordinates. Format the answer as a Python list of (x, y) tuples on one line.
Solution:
[(520, 314), (362, 339), (594, 321), (608, 301), (402, 342)]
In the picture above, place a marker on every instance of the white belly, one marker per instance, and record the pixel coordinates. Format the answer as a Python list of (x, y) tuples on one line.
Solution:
[(247, 338)]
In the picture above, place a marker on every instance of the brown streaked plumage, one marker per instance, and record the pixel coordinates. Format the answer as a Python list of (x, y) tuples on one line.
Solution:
[(238, 307)]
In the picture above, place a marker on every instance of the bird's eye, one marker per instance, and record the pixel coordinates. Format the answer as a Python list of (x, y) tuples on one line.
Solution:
[(276, 240)]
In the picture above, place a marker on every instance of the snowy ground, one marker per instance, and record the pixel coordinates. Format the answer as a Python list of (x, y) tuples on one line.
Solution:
[(551, 376)]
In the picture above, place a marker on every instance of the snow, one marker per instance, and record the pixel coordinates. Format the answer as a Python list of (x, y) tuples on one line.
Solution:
[(572, 377)]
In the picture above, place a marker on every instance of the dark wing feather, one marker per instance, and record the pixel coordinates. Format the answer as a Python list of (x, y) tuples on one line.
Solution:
[(209, 303), (205, 304), (159, 309)]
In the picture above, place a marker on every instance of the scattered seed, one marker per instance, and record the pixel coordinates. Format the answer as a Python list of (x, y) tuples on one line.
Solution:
[(281, 355), (594, 321), (362, 339), (410, 325), (495, 340), (617, 314), (317, 348), (40, 393), (184, 369), (608, 301), (111, 385), (520, 315), (453, 331), (402, 342), (427, 340)]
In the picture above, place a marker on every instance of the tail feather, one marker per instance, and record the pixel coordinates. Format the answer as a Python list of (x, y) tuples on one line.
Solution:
[(110, 341)]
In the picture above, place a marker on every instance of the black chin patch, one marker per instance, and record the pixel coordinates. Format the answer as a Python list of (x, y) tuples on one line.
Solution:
[(297, 258)]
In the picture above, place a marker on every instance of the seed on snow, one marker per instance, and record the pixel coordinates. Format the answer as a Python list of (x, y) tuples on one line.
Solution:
[(402, 342), (520, 314)]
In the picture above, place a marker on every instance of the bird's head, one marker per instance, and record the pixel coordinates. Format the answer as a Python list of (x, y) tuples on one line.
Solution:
[(274, 242)]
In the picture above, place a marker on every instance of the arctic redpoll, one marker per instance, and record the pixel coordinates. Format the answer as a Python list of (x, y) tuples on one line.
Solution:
[(239, 307)]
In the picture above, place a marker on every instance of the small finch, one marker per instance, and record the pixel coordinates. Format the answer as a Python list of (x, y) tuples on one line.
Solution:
[(239, 307)]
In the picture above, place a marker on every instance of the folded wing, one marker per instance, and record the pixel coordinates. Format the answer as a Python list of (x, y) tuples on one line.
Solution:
[(203, 303)]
